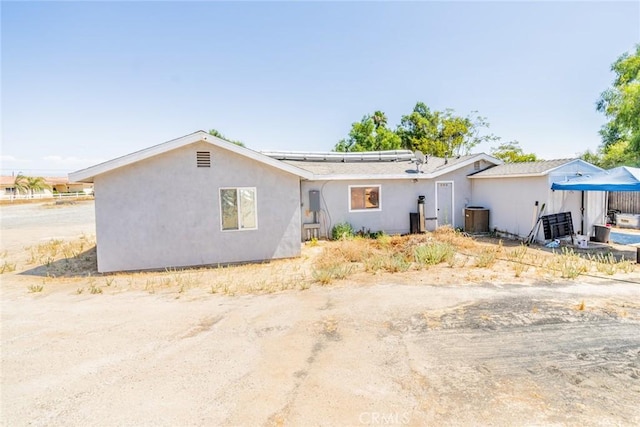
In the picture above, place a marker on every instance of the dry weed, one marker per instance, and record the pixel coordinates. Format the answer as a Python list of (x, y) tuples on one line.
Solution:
[(487, 258), (434, 253), (454, 238)]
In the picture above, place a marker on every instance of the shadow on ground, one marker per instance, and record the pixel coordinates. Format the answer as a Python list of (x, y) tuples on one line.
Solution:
[(81, 265)]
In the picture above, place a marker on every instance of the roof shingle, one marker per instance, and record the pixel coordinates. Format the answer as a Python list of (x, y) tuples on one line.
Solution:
[(540, 167)]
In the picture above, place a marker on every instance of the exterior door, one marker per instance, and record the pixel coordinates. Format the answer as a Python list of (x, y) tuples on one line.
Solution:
[(444, 203)]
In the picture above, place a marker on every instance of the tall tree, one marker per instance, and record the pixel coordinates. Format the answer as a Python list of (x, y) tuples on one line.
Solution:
[(441, 133), (616, 154), (511, 152), (621, 103), (219, 134), (20, 184), (30, 184), (370, 134), (379, 119)]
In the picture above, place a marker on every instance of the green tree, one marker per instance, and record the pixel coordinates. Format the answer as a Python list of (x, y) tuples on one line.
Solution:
[(30, 184), (20, 184), (621, 103), (616, 154), (441, 133), (511, 152), (370, 134), (219, 134)]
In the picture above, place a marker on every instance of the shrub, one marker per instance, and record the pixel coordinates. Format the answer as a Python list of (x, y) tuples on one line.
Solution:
[(327, 274), (343, 230), (569, 264), (487, 258), (433, 253)]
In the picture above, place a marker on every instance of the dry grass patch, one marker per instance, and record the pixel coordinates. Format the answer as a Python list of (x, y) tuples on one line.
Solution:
[(455, 238), (451, 256), (433, 253), (567, 264), (487, 258)]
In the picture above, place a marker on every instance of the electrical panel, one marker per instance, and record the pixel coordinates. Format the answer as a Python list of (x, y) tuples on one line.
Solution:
[(314, 201)]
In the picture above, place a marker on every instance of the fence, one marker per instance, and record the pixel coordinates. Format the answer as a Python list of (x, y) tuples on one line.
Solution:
[(44, 196), (625, 201)]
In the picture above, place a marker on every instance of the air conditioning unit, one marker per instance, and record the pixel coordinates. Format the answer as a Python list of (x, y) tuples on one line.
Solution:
[(476, 219)]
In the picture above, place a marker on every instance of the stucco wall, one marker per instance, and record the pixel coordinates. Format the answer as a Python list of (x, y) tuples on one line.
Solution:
[(398, 198), (512, 203), (165, 212)]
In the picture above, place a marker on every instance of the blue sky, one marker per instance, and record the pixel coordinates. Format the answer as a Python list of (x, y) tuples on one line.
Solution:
[(84, 82)]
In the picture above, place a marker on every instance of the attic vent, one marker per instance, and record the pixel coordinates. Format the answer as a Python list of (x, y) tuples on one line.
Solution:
[(203, 159), (476, 165)]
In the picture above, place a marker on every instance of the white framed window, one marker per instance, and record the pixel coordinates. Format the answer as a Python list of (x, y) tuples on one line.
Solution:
[(238, 209), (364, 198)]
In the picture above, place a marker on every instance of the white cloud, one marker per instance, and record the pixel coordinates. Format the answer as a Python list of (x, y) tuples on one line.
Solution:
[(12, 159), (71, 161)]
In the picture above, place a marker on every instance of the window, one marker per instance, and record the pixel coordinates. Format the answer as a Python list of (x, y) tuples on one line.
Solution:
[(364, 197), (238, 208)]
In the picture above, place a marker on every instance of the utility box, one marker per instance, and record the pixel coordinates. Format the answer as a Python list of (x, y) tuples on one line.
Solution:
[(476, 219), (314, 200)]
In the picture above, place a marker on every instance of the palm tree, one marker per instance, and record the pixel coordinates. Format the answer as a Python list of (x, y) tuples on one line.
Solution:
[(20, 184), (379, 119), (29, 184)]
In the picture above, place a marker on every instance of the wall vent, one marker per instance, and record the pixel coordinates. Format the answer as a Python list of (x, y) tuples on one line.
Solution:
[(203, 159), (476, 165)]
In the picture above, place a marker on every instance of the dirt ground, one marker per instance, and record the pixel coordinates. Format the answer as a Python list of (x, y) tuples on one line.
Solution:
[(465, 346)]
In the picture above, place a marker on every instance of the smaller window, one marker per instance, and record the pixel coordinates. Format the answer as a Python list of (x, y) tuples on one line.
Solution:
[(238, 208), (364, 197), (203, 159)]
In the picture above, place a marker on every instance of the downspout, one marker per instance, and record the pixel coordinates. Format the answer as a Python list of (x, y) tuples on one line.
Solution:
[(582, 213)]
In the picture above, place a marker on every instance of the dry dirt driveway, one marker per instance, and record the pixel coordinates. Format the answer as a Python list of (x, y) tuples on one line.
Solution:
[(377, 355), (384, 354)]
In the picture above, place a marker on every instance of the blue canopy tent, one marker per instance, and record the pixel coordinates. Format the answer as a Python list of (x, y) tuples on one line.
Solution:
[(623, 178)]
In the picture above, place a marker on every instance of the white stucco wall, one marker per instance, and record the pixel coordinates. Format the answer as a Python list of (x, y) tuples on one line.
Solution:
[(511, 201), (398, 199), (165, 212)]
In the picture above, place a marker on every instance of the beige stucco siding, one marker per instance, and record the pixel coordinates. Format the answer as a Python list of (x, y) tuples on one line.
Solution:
[(398, 198), (511, 202), (165, 212)]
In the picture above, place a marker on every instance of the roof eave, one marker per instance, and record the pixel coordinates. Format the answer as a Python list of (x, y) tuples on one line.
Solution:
[(369, 177), (88, 174), (519, 175)]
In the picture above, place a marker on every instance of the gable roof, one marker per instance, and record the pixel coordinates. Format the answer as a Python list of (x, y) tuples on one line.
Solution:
[(530, 169), (401, 169), (88, 174)]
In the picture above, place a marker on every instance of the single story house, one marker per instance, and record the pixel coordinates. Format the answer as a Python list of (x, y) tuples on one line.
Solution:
[(56, 185), (195, 200), (515, 192), (200, 200), (378, 191), (63, 185)]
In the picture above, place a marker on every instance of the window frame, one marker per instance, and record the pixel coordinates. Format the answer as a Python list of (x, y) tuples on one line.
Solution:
[(377, 209), (239, 213)]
